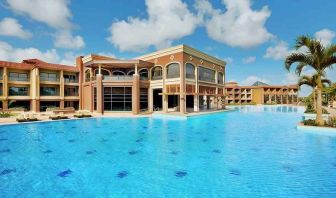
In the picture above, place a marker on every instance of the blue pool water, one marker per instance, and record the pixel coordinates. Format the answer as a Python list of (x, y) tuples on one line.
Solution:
[(250, 152)]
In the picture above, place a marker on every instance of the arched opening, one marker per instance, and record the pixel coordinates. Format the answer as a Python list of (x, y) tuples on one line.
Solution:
[(173, 70), (157, 73), (104, 72), (143, 73), (220, 78), (190, 71), (87, 75), (130, 73), (118, 73)]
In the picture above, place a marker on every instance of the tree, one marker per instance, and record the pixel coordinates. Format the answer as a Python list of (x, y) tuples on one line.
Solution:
[(311, 81), (316, 56)]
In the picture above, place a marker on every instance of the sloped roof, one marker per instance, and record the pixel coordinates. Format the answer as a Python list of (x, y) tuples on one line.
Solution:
[(259, 83), (33, 63)]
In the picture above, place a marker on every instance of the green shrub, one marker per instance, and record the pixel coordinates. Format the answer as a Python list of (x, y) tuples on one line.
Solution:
[(309, 122), (4, 114)]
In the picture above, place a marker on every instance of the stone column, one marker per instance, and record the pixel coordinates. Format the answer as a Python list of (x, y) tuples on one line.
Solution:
[(62, 104), (164, 90), (35, 105), (136, 94), (5, 105), (150, 99), (182, 102), (196, 96), (99, 93), (81, 76)]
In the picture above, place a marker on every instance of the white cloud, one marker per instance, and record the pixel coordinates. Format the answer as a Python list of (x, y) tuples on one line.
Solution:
[(167, 21), (290, 78), (252, 79), (65, 39), (228, 60), (325, 36), (278, 52), (54, 13), (11, 27), (10, 53), (238, 26), (249, 59), (108, 54)]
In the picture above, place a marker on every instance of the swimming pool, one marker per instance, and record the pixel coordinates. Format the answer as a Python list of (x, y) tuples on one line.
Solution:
[(250, 152)]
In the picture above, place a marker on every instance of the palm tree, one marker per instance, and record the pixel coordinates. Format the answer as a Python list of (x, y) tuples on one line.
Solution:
[(317, 57), (311, 81)]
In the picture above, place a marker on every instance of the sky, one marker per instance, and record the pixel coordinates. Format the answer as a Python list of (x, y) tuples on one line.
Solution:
[(252, 36)]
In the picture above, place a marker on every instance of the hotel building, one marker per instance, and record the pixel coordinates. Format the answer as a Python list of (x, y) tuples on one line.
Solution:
[(34, 85), (178, 79), (261, 93)]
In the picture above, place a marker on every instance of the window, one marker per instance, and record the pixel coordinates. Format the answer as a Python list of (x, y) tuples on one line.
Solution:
[(70, 78), (48, 91), (143, 74), (14, 76), (173, 70), (190, 71), (71, 91), (49, 77), (157, 73), (87, 75), (95, 98), (143, 99), (117, 98), (1, 74), (206, 74), (220, 79), (18, 91)]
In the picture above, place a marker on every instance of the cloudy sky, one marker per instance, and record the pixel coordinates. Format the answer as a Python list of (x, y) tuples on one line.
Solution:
[(252, 36)]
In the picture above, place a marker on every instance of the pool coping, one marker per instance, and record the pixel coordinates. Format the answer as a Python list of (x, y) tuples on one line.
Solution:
[(179, 116), (301, 126)]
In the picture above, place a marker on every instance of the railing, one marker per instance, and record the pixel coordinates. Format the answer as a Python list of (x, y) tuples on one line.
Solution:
[(66, 80), (18, 79), (213, 80), (118, 78), (49, 79)]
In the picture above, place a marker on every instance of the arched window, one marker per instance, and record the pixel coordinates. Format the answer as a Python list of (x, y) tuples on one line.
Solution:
[(220, 79), (157, 73), (87, 75), (173, 70), (130, 73), (118, 73), (104, 72), (190, 71), (143, 74), (206, 74)]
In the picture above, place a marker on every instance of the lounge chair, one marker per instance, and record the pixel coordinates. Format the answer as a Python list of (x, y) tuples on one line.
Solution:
[(31, 118), (58, 117), (21, 118)]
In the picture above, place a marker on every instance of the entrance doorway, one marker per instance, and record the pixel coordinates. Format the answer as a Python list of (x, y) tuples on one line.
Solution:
[(157, 100), (190, 103)]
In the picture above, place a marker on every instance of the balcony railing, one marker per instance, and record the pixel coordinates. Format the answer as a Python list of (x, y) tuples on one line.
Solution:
[(21, 79), (49, 79), (118, 78), (67, 80)]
